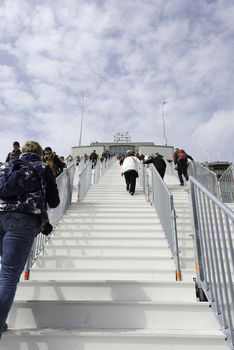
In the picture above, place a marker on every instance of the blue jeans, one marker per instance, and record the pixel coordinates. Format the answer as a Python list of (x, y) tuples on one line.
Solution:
[(17, 232)]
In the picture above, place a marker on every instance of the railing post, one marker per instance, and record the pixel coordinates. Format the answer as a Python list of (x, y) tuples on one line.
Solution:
[(198, 263), (176, 245)]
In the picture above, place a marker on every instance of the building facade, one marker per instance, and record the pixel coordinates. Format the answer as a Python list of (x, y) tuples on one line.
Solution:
[(146, 148)]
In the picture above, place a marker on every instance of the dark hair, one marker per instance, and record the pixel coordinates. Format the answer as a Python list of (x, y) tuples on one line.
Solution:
[(48, 149), (16, 143)]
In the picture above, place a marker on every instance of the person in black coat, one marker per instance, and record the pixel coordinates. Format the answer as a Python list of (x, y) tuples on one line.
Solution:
[(159, 164), (93, 157), (15, 153)]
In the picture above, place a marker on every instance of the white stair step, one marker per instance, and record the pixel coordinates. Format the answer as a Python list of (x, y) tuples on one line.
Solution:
[(102, 211), (121, 263), (112, 274), (112, 314), (143, 251), (113, 233), (110, 242), (114, 339), (109, 226), (111, 220), (112, 215), (105, 290)]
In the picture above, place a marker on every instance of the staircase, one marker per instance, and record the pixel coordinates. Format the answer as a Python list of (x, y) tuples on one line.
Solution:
[(107, 280)]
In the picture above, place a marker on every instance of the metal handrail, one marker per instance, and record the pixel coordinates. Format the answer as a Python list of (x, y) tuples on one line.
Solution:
[(140, 167), (65, 186), (226, 185), (214, 234), (90, 175), (164, 205), (205, 176), (85, 178), (170, 169), (64, 183), (146, 183)]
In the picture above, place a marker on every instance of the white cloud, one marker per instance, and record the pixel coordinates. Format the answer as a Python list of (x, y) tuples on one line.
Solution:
[(124, 55), (216, 135)]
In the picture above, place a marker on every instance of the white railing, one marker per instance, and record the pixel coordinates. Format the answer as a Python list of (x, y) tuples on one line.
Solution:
[(89, 176), (145, 183), (162, 199), (85, 179), (65, 186), (226, 185), (214, 237), (170, 169), (65, 183), (205, 176)]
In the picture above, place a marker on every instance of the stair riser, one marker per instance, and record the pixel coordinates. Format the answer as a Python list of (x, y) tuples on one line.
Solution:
[(109, 211), (104, 264), (138, 215), (57, 241), (112, 342), (111, 252), (112, 221), (115, 291), (100, 275), (94, 315), (87, 234), (109, 227)]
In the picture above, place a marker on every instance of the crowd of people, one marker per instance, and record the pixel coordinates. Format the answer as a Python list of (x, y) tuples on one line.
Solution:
[(130, 161), (55, 162), (94, 157)]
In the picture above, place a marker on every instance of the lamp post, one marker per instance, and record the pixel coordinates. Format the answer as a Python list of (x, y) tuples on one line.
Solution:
[(82, 117), (163, 119)]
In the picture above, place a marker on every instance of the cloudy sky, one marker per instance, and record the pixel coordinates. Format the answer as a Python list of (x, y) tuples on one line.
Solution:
[(126, 56)]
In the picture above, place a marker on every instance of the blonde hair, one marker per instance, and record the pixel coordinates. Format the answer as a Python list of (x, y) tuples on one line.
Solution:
[(32, 146)]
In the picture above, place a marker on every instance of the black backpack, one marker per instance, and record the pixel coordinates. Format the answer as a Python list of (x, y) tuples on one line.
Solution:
[(17, 178)]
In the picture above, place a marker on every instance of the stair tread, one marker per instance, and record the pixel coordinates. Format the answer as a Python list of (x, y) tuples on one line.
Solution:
[(118, 332)]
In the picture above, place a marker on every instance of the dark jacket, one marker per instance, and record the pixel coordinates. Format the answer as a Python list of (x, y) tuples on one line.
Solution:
[(35, 202), (183, 163), (13, 155), (158, 162), (93, 156)]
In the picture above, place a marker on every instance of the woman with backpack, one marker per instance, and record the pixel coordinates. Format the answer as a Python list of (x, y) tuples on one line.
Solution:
[(181, 163), (27, 185)]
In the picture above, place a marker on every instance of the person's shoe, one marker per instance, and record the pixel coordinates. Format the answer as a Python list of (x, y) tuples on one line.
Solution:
[(5, 328), (131, 193), (182, 184), (127, 188)]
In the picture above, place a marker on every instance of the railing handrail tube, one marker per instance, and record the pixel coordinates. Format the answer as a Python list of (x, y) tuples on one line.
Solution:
[(205, 176), (230, 167), (222, 205), (167, 216), (214, 247), (226, 185), (65, 184)]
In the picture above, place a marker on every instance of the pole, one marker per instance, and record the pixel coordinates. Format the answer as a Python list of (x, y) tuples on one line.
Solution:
[(82, 117), (163, 119)]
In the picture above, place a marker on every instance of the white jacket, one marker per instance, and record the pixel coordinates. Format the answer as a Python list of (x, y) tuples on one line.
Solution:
[(130, 163)]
